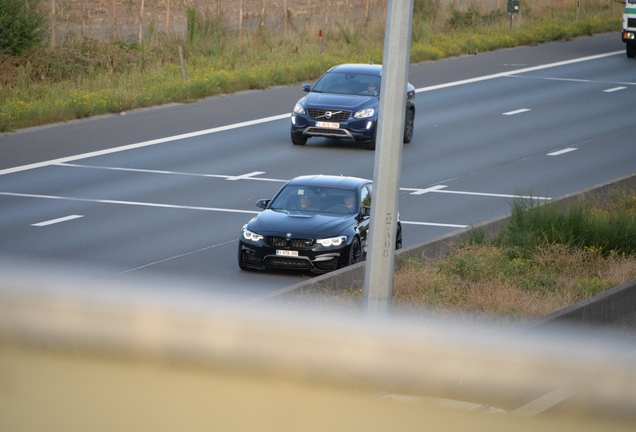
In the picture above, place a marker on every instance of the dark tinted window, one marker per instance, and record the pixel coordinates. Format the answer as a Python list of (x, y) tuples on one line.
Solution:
[(347, 83)]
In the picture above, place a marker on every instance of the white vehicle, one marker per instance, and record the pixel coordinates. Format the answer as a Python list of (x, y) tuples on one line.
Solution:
[(629, 28)]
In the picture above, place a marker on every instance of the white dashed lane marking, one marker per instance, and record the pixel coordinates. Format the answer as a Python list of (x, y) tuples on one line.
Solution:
[(246, 176), (560, 152), (423, 191), (58, 220), (611, 90), (519, 111)]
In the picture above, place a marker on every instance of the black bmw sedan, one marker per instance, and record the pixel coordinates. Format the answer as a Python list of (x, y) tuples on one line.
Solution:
[(344, 103), (314, 223)]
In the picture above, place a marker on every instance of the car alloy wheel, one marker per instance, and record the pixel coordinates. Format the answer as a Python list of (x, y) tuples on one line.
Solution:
[(355, 251), (408, 126)]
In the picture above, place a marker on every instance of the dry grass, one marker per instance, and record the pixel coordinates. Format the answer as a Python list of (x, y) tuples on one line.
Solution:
[(480, 283)]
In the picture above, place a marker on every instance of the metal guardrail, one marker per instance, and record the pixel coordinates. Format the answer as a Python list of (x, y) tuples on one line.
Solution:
[(81, 353)]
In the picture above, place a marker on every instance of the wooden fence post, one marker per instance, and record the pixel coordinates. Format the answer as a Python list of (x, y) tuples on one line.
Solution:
[(141, 22), (114, 3), (53, 25), (182, 60), (167, 17)]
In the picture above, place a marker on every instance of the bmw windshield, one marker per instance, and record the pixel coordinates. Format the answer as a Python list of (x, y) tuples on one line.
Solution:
[(304, 199)]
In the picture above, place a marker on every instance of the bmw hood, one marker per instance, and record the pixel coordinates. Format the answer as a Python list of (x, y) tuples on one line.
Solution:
[(279, 223), (339, 101)]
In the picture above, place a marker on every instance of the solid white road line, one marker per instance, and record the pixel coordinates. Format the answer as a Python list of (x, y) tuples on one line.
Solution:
[(58, 220), (174, 257), (433, 224), (441, 189), (569, 79), (518, 71), (143, 144), (252, 176), (133, 203), (560, 152), (491, 194), (283, 116), (171, 206), (149, 171)]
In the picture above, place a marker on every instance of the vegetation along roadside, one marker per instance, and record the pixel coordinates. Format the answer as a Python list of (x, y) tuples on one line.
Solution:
[(43, 83), (544, 260)]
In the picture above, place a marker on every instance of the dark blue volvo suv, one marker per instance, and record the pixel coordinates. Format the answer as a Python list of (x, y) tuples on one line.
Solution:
[(343, 103)]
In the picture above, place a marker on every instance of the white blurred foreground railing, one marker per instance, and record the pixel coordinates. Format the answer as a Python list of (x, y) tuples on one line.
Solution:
[(80, 353)]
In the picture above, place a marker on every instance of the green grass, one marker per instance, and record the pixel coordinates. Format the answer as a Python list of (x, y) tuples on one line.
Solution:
[(85, 77)]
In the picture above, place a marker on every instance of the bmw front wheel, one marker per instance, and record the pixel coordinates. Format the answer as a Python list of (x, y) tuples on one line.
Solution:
[(355, 251)]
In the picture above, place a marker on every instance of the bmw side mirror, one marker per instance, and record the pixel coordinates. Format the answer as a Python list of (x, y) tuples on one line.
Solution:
[(262, 203), (306, 87)]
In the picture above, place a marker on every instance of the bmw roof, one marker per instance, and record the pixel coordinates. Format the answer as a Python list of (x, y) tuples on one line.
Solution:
[(329, 181)]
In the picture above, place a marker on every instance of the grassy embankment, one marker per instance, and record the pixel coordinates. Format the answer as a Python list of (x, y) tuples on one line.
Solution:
[(84, 77), (544, 260)]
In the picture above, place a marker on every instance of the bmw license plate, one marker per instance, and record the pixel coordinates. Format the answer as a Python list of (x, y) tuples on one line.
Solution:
[(328, 125), (287, 252)]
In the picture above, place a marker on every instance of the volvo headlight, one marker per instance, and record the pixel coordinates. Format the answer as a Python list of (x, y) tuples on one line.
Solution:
[(333, 241), (251, 236), (368, 112), (298, 109)]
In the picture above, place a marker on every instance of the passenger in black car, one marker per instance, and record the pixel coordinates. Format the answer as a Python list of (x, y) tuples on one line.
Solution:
[(306, 204)]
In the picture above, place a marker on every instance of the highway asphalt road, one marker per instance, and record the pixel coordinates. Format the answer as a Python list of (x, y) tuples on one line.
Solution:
[(163, 192)]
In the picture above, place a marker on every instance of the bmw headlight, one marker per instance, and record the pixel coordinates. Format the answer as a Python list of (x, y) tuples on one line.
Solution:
[(368, 112), (251, 236), (299, 109), (333, 241)]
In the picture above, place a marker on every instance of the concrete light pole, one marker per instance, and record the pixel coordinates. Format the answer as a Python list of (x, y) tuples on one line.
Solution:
[(378, 280)]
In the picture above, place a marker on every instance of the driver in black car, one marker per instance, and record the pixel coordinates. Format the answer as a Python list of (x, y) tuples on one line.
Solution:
[(349, 202)]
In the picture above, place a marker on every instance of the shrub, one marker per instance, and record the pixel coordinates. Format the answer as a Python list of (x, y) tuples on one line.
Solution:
[(21, 26), (610, 229)]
